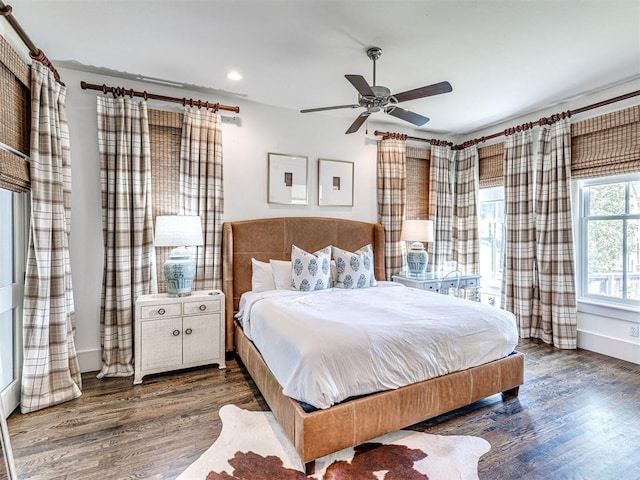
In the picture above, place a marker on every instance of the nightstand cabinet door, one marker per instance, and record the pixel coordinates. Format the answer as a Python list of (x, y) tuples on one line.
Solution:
[(196, 343), (161, 344)]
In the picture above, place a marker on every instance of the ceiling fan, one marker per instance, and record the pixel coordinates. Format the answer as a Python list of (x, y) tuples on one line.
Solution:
[(376, 97)]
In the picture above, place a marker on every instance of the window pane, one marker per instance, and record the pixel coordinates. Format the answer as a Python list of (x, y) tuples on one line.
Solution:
[(634, 197), (605, 257), (633, 266), (607, 199), (491, 232), (6, 238)]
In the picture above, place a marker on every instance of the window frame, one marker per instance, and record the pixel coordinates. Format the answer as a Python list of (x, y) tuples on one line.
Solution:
[(583, 219)]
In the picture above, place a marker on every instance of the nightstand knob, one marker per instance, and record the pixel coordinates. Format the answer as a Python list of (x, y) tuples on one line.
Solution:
[(203, 308), (176, 333), (188, 331), (161, 311)]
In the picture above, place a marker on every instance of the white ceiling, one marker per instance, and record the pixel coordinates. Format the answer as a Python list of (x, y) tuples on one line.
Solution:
[(504, 59)]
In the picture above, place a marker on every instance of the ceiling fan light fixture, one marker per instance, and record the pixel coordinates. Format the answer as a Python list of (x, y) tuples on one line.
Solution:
[(233, 75)]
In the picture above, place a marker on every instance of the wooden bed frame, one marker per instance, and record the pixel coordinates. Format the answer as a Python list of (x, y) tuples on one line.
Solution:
[(350, 423)]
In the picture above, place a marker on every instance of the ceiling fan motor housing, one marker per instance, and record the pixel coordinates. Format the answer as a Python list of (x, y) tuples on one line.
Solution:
[(381, 99)]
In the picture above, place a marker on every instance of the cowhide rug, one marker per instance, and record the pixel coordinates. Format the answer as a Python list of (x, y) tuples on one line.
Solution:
[(252, 445)]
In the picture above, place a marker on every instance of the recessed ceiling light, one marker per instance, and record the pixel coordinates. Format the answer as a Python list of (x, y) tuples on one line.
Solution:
[(234, 76)]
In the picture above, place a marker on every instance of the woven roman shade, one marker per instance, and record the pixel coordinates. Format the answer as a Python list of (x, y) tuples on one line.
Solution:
[(417, 183), (165, 131), (15, 118), (606, 145), (14, 172), (491, 165)]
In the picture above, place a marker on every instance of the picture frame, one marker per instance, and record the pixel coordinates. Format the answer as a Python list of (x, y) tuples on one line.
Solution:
[(287, 179), (335, 183)]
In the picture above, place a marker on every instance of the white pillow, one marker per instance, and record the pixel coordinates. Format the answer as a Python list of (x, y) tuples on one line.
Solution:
[(310, 271), (281, 270), (355, 269), (261, 276)]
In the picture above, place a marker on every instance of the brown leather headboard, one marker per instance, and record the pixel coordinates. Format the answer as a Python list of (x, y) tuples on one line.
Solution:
[(271, 238)]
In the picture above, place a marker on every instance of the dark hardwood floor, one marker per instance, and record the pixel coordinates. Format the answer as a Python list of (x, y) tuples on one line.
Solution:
[(577, 417)]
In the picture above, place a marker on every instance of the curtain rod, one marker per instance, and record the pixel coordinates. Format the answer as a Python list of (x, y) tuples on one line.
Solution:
[(132, 93), (34, 52), (512, 130)]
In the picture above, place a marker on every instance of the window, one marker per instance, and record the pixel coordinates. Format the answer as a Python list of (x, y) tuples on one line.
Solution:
[(609, 239), (7, 347), (491, 236)]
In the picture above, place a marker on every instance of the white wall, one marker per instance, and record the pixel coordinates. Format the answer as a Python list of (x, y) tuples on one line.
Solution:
[(247, 138)]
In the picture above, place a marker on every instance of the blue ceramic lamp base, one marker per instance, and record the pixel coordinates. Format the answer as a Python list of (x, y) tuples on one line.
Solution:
[(179, 272), (417, 259)]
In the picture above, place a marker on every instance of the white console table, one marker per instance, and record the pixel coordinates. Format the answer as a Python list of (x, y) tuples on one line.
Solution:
[(441, 283)]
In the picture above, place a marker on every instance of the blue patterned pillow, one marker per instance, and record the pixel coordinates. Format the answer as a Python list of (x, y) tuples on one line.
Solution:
[(355, 269), (310, 271)]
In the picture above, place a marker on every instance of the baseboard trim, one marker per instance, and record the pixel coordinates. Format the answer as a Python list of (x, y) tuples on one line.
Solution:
[(612, 347), (90, 361)]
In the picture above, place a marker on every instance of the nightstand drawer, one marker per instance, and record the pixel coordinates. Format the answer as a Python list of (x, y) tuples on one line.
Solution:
[(432, 286), (455, 283), (205, 306), (470, 283), (161, 311)]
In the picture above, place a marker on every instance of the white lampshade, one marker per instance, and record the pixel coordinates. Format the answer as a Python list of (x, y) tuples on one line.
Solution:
[(180, 269), (417, 231), (178, 231)]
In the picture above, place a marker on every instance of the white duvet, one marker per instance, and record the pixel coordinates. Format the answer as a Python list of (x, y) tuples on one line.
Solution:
[(326, 346)]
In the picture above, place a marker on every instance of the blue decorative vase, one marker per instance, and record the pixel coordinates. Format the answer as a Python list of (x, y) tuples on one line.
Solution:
[(417, 259), (179, 272)]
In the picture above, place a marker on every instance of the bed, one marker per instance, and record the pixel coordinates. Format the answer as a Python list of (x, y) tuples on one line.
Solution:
[(323, 431)]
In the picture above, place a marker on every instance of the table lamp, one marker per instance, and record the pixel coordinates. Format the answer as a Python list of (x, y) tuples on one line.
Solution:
[(417, 231), (179, 231)]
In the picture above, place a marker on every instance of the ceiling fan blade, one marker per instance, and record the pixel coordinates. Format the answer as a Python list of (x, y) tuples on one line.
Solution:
[(361, 85), (429, 90), (355, 126), (307, 110), (407, 116)]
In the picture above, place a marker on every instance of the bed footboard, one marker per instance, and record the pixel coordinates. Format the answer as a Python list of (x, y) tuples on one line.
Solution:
[(350, 423)]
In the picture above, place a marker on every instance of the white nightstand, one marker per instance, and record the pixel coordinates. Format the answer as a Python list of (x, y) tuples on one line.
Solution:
[(178, 332)]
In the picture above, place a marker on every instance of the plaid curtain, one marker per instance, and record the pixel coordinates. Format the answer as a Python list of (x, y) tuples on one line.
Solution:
[(555, 310), (201, 191), (518, 284), (441, 205), (392, 197), (127, 225), (465, 222), (51, 373)]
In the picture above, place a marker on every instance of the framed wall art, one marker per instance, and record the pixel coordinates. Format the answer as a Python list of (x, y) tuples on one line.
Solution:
[(335, 183), (287, 179)]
